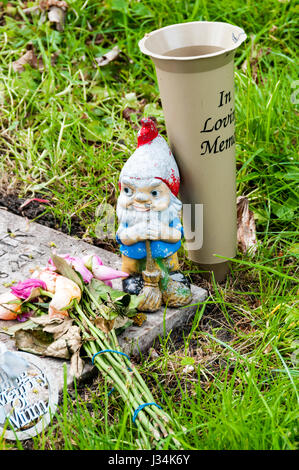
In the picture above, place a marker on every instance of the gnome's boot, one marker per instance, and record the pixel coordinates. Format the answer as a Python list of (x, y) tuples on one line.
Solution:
[(177, 291), (133, 284)]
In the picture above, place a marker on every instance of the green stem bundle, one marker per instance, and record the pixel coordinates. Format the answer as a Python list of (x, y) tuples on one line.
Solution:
[(152, 423)]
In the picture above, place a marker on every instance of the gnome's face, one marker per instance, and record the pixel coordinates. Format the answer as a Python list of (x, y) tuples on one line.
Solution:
[(149, 182), (143, 195)]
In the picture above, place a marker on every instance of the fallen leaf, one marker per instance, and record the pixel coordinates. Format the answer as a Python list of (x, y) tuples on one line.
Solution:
[(77, 365), (65, 345), (56, 12), (54, 337), (132, 116), (103, 324), (58, 348), (108, 57), (47, 4), (56, 326), (17, 326), (28, 201), (57, 15), (246, 231), (28, 58), (98, 39), (153, 353), (31, 59), (34, 341)]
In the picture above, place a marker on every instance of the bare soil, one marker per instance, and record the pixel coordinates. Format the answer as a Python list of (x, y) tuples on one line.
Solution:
[(41, 213)]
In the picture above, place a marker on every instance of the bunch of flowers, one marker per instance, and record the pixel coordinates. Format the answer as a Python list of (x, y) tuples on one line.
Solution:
[(79, 290), (48, 281)]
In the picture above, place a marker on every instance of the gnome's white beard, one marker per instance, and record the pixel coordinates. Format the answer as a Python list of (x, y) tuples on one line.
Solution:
[(131, 216)]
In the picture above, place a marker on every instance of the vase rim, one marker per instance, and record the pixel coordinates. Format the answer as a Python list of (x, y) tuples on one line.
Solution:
[(214, 29)]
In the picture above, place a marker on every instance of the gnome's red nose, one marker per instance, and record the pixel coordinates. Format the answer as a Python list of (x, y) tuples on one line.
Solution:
[(147, 132)]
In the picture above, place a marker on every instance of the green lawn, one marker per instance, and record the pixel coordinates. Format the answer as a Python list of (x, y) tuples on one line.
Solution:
[(64, 135)]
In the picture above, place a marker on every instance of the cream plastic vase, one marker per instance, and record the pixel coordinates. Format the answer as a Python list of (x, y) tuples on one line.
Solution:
[(194, 64)]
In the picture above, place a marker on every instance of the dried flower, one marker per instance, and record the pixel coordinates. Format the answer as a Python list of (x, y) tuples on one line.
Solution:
[(9, 306), (66, 291), (48, 276), (24, 316), (23, 290), (139, 319)]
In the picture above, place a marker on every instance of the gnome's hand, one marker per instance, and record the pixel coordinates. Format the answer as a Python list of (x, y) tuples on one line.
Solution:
[(163, 232), (140, 232), (153, 233), (131, 235)]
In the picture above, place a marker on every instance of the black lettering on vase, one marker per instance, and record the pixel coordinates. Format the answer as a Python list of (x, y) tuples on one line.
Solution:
[(224, 98), (219, 143)]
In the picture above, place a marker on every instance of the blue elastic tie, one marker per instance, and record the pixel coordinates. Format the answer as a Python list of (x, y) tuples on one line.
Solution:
[(109, 350), (113, 351), (140, 407)]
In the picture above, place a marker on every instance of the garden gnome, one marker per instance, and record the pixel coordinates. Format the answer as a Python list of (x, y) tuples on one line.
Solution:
[(150, 230)]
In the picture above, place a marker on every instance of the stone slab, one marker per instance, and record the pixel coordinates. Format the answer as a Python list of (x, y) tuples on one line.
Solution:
[(26, 245)]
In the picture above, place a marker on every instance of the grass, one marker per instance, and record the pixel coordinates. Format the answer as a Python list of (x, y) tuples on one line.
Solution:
[(63, 135)]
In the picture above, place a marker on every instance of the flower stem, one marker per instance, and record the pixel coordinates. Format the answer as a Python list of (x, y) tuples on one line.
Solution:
[(127, 380)]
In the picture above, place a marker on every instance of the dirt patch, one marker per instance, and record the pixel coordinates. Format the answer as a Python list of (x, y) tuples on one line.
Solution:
[(39, 212), (42, 213)]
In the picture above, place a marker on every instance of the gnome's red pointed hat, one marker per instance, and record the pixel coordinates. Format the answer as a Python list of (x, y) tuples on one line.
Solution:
[(152, 159)]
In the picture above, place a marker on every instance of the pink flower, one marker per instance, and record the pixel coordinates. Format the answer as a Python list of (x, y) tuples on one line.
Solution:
[(23, 289), (97, 260), (78, 265), (88, 260), (51, 266), (91, 266), (105, 273)]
